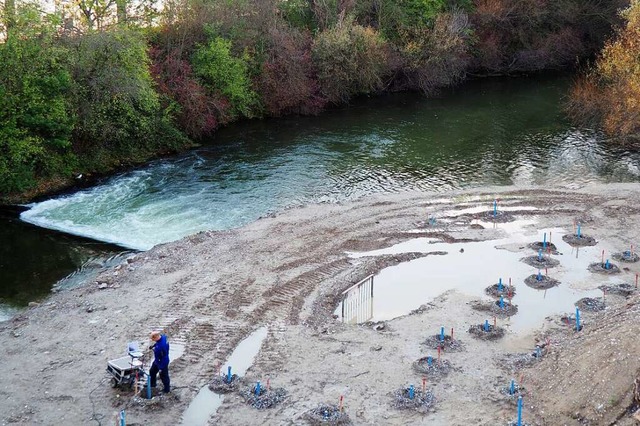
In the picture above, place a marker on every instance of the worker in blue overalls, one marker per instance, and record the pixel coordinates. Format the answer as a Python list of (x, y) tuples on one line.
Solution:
[(161, 360)]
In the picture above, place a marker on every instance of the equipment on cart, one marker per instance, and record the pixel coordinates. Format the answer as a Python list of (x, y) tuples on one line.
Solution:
[(128, 370)]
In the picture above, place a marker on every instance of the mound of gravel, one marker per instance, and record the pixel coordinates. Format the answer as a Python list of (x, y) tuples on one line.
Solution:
[(325, 414), (219, 384), (494, 290), (448, 344), (265, 398), (492, 333), (543, 283), (590, 304), (543, 262), (435, 371), (601, 268), (422, 402), (581, 241)]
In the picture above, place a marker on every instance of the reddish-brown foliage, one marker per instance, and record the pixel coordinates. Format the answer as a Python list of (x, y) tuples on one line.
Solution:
[(198, 114), (287, 82)]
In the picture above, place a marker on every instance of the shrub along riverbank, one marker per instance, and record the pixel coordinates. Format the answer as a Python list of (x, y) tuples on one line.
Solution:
[(609, 94), (90, 96)]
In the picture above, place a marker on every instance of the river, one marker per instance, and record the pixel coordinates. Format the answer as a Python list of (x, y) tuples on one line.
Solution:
[(486, 132)]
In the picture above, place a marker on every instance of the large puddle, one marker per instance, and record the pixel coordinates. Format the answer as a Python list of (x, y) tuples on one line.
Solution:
[(206, 403), (471, 267)]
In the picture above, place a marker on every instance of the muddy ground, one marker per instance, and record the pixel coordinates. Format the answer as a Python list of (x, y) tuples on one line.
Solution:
[(286, 272)]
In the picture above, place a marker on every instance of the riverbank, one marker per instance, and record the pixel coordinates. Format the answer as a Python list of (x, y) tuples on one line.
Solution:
[(286, 272)]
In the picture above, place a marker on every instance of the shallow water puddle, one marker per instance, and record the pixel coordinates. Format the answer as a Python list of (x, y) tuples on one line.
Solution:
[(487, 208), (206, 403), (176, 350), (399, 289)]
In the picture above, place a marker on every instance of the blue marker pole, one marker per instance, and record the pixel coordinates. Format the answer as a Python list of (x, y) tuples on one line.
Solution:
[(578, 230), (486, 325), (519, 411), (606, 265), (512, 388), (258, 388), (123, 417), (442, 333), (544, 241), (495, 208), (540, 255), (539, 277), (429, 360), (148, 386), (411, 392), (538, 352), (500, 285), (501, 302), (577, 319), (229, 374)]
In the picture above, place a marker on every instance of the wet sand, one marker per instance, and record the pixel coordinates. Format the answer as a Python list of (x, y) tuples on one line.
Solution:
[(287, 273)]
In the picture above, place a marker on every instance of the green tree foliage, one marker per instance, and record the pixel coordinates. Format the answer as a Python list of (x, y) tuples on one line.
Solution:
[(226, 74), (35, 116), (120, 117), (350, 59)]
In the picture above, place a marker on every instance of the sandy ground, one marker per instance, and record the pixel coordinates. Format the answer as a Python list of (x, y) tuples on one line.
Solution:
[(287, 272)]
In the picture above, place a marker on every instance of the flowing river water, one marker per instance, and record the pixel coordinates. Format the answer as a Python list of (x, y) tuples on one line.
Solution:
[(486, 132)]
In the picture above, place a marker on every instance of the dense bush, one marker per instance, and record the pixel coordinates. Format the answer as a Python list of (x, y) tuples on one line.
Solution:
[(36, 119), (520, 36), (610, 93), (119, 115), (222, 73), (350, 59), (436, 57), (73, 99)]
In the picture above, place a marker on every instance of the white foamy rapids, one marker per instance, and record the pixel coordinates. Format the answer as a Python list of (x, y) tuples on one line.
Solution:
[(136, 213)]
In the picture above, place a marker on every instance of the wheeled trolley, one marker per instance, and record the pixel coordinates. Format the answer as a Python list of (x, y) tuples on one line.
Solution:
[(125, 371)]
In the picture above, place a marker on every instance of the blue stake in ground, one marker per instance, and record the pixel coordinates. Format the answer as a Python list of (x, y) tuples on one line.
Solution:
[(148, 386), (412, 392), (229, 374), (512, 388), (519, 411), (486, 325), (578, 234), (501, 302), (258, 388), (123, 418), (442, 333), (429, 360), (495, 208), (500, 285), (544, 241), (578, 319)]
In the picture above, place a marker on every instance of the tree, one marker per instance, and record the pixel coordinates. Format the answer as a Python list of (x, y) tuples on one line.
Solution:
[(36, 118)]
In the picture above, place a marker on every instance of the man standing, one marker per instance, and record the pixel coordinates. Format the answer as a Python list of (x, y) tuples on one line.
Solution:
[(161, 360)]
